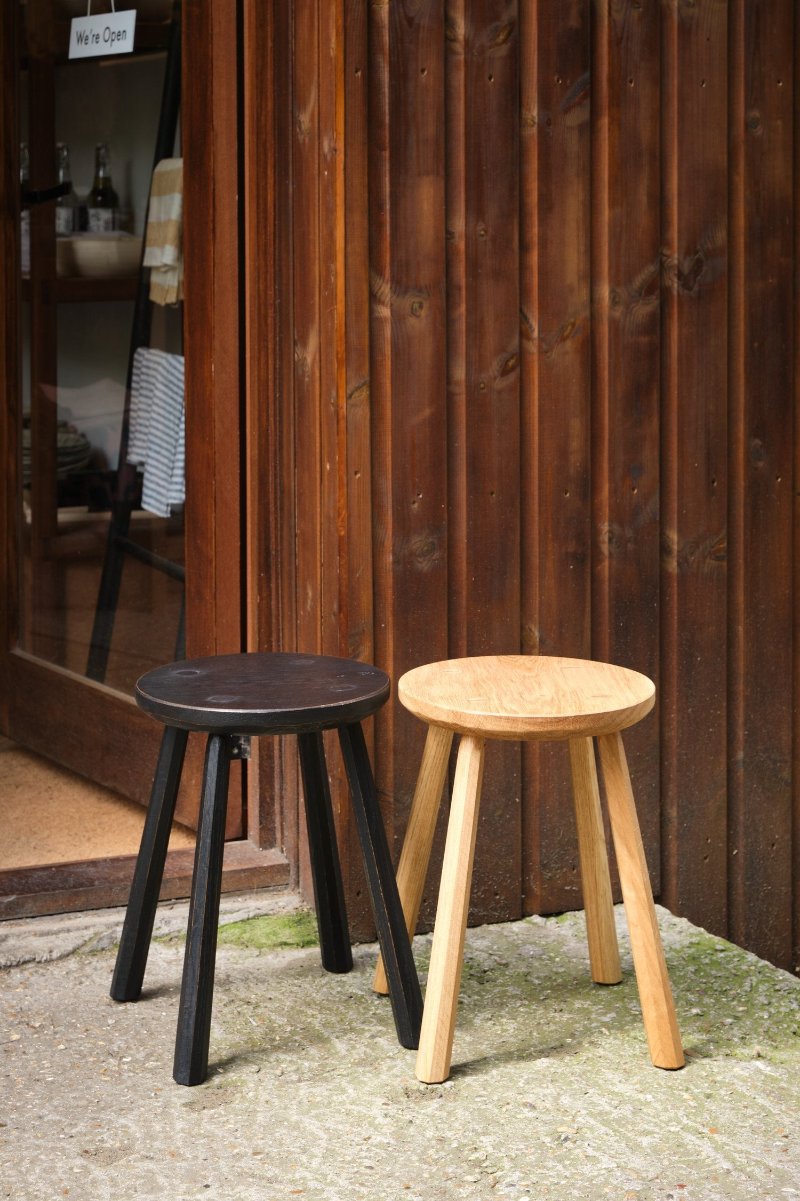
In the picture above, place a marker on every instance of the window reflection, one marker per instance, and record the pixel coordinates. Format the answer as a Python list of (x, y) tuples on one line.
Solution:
[(100, 574)]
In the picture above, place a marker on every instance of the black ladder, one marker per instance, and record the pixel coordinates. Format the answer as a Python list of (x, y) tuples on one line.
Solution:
[(127, 489)]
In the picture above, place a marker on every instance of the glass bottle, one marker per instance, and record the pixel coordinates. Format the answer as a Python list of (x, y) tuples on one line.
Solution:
[(66, 206), (103, 202), (25, 212)]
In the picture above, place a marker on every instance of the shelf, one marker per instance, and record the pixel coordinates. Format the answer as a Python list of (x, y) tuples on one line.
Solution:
[(82, 533), (80, 289)]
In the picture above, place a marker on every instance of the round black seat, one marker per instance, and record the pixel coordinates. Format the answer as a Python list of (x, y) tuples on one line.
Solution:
[(278, 693), (229, 697)]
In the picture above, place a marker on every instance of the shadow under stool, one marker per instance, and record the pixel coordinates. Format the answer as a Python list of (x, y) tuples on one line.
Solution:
[(531, 698), (228, 697)]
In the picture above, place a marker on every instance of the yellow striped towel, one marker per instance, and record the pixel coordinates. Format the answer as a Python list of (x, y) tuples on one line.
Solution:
[(163, 252)]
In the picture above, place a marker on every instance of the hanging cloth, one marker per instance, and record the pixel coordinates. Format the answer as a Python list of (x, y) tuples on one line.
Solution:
[(163, 252), (157, 438)]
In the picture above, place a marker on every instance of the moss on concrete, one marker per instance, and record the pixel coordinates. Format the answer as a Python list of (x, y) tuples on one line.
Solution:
[(272, 932), (730, 1004), (552, 1097), (733, 1003)]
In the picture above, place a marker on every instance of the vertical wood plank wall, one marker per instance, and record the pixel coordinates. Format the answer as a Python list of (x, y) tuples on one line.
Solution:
[(540, 395)]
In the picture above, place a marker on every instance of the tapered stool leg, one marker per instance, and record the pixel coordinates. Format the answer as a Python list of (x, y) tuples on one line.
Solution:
[(416, 853), (655, 993), (598, 903), (137, 930), (334, 936), (404, 989), (447, 952), (197, 988)]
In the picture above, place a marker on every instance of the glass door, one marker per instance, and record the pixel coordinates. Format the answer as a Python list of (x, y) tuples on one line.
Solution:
[(98, 448), (101, 546)]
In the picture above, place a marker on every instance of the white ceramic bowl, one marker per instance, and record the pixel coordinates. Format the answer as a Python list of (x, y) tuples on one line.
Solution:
[(99, 256)]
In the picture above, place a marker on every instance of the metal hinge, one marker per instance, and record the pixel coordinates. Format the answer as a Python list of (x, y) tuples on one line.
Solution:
[(240, 748)]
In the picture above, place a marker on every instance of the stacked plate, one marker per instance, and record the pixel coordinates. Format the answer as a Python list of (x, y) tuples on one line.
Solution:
[(73, 450)]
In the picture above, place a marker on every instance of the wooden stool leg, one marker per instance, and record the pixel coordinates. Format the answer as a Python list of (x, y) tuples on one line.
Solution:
[(404, 989), (197, 989), (658, 1009), (416, 853), (334, 936), (447, 953), (137, 929), (597, 900)]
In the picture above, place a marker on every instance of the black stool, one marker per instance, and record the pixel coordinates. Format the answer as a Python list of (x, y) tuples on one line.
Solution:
[(227, 697)]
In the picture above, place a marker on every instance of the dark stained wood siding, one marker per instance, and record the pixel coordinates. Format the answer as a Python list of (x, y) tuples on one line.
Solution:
[(694, 493), (556, 362), (542, 396), (762, 405), (405, 189)]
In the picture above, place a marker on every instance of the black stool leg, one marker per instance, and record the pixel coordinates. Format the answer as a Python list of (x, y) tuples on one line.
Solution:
[(197, 989), (137, 930), (334, 936), (404, 990)]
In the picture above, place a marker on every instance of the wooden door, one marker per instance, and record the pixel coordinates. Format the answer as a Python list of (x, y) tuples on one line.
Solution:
[(65, 358)]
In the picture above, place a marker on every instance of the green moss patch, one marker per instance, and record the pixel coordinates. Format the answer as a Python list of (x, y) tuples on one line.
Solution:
[(272, 933)]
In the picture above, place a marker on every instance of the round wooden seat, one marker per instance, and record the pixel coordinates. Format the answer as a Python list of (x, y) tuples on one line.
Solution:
[(228, 698), (277, 693), (527, 696), (531, 697)]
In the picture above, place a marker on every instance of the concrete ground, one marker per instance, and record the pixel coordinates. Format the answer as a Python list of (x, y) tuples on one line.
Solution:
[(552, 1094)]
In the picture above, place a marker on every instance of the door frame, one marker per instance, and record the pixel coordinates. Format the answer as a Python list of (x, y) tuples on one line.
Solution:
[(46, 708), (32, 691)]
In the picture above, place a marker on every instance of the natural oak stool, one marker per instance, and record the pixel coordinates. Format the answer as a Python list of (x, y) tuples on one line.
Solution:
[(531, 697), (228, 697)]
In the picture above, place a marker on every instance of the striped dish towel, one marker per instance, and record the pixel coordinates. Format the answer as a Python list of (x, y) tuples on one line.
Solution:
[(156, 438), (163, 252)]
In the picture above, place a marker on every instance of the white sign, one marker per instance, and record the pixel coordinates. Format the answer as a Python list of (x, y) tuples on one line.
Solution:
[(106, 33)]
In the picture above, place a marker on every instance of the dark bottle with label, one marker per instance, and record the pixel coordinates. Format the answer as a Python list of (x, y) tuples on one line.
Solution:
[(25, 212), (66, 206), (103, 202)]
